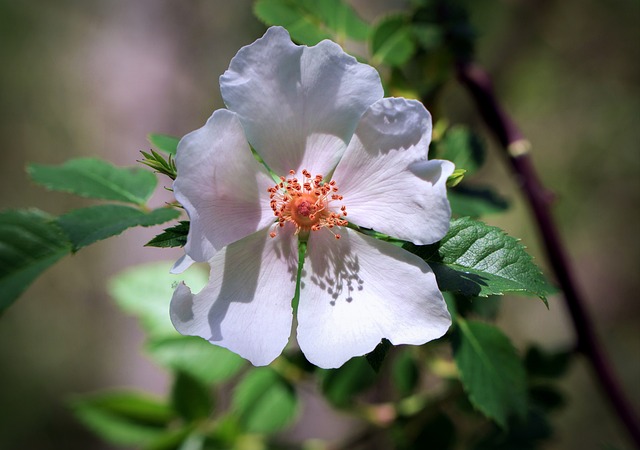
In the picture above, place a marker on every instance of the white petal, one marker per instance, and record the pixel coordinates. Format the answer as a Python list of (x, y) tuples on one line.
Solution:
[(385, 178), (182, 264), (358, 290), (246, 307), (221, 186), (299, 105)]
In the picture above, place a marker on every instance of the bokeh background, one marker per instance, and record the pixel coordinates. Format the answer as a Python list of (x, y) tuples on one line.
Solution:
[(93, 77)]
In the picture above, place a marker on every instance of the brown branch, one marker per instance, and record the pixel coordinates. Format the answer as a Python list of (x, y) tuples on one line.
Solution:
[(516, 148)]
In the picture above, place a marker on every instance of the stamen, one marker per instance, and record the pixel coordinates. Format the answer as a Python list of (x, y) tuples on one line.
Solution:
[(306, 204)]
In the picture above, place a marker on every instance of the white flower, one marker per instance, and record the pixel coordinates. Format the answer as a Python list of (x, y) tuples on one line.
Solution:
[(311, 113)]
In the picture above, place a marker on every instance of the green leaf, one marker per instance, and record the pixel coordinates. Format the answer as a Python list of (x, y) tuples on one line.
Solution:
[(405, 373), (475, 201), (377, 356), (429, 36), (484, 308), (546, 364), (164, 142), (341, 385), (438, 432), (88, 225), (29, 244), (392, 42), (491, 371), (310, 21), (526, 434), (475, 259), (190, 397), (462, 147), (175, 236), (145, 292), (197, 357), (264, 401), (122, 417), (94, 178), (341, 19), (303, 26)]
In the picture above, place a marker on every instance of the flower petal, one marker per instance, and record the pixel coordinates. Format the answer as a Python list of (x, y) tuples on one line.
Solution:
[(246, 307), (221, 185), (358, 290), (387, 183), (299, 105), (182, 264)]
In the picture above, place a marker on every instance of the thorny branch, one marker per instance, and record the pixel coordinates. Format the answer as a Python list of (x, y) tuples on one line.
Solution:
[(516, 148)]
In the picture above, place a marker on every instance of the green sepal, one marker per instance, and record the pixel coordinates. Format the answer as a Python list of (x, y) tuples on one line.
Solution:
[(161, 165), (456, 177)]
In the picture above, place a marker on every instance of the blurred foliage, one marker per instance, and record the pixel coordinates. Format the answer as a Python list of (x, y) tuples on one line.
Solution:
[(418, 398)]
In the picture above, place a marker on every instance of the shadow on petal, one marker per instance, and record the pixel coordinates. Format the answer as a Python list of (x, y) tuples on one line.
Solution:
[(394, 124)]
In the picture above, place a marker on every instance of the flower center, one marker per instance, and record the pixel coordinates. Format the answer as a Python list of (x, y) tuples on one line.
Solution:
[(306, 204)]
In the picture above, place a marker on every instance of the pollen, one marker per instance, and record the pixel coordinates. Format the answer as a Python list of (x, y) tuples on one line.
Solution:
[(307, 204)]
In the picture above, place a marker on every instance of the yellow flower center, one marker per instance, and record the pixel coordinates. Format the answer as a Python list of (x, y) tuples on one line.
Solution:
[(306, 204)]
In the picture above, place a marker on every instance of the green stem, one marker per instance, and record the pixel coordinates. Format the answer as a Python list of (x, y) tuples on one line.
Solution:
[(302, 251)]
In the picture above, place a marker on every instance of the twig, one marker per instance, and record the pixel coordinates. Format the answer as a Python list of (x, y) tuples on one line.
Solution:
[(516, 147)]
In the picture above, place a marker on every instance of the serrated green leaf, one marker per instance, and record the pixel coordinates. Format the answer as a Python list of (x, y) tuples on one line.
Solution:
[(29, 244), (88, 225), (264, 401), (175, 236), (475, 259), (309, 21), (164, 142), (491, 371), (145, 292), (123, 417), (191, 398), (206, 362), (473, 201), (462, 147), (341, 385), (392, 41), (94, 178)]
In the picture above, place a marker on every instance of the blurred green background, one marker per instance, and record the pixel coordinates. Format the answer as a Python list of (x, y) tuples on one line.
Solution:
[(93, 77)]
